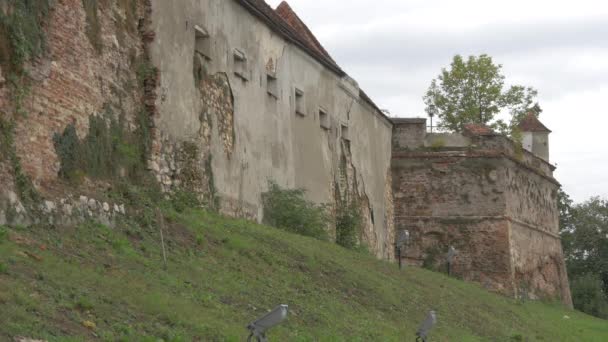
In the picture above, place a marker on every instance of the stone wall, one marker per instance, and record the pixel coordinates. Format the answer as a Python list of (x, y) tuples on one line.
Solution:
[(495, 203), (449, 199), (74, 79), (88, 65), (217, 126), (228, 85)]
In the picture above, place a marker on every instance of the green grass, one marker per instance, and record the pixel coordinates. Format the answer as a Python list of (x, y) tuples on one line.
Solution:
[(221, 273)]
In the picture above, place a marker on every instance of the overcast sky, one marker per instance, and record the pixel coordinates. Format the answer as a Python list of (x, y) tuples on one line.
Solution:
[(394, 48)]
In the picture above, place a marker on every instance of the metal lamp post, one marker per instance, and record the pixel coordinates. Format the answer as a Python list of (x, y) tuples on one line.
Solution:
[(450, 257), (401, 244)]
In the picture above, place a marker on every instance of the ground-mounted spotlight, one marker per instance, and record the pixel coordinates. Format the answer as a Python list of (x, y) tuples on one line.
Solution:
[(260, 326), (426, 326), (402, 241)]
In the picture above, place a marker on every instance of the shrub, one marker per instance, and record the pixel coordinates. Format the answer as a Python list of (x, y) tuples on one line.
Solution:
[(107, 152), (438, 144), (288, 209), (23, 28), (182, 200), (3, 234), (588, 296), (348, 225)]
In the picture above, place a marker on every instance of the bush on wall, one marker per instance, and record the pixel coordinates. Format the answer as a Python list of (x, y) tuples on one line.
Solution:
[(289, 210), (348, 224)]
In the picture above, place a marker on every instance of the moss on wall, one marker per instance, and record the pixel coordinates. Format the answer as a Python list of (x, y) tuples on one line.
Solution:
[(21, 32), (8, 153), (93, 28), (21, 39), (214, 197), (109, 150), (126, 20)]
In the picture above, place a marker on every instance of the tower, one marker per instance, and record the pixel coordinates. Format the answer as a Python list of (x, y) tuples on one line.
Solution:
[(535, 136)]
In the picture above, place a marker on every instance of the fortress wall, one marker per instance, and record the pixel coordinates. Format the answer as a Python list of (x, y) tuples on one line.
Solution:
[(217, 130), (245, 137), (449, 199), (532, 198), (536, 248), (496, 206), (447, 184), (538, 264), (74, 80), (482, 243), (88, 67)]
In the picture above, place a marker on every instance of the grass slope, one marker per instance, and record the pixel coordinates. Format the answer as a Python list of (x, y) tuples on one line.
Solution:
[(95, 283)]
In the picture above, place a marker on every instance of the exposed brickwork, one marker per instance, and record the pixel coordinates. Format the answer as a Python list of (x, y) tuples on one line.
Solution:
[(495, 204), (492, 201), (72, 81)]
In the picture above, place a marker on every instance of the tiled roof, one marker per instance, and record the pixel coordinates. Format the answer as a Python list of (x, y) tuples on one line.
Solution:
[(478, 129), (285, 12), (306, 42), (531, 124)]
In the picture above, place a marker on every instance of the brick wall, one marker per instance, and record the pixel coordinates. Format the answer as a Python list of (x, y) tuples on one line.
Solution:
[(73, 81), (496, 205)]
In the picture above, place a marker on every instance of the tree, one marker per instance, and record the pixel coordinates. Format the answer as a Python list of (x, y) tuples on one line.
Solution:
[(584, 231), (472, 91)]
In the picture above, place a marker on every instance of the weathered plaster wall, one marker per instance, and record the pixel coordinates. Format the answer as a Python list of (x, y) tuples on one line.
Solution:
[(249, 136)]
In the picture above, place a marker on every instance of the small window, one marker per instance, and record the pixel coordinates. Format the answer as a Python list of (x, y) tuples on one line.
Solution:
[(240, 65), (300, 110), (345, 134), (324, 119), (202, 44), (271, 85)]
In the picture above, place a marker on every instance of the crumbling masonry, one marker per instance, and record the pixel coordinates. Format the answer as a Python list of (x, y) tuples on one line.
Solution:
[(222, 96)]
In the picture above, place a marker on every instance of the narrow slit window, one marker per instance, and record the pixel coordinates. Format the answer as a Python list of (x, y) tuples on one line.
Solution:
[(202, 44), (345, 133), (271, 85), (240, 65), (299, 102), (324, 119)]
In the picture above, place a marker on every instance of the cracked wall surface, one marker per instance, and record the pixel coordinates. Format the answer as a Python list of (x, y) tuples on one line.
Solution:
[(223, 105)]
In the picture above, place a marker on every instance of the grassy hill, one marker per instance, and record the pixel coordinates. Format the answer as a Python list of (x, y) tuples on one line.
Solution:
[(92, 282)]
